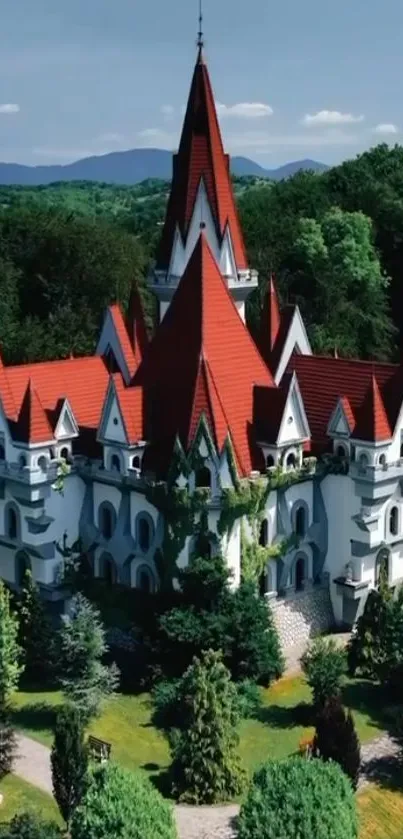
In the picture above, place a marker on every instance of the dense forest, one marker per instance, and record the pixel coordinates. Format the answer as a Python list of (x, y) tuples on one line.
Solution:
[(334, 241)]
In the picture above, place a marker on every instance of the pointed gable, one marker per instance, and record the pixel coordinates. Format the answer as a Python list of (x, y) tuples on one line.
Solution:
[(136, 327), (270, 321), (202, 358), (342, 420), (65, 426), (201, 158), (32, 425), (372, 423)]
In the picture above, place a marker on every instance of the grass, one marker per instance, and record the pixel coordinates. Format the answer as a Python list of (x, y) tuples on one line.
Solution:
[(381, 813), (19, 796), (284, 719)]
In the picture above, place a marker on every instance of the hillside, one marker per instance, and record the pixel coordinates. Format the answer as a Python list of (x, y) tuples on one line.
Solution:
[(132, 167)]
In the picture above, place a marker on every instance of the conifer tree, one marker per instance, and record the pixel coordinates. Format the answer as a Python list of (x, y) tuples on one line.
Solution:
[(69, 761), (366, 648), (10, 651), (85, 680), (206, 768), (35, 631), (336, 738)]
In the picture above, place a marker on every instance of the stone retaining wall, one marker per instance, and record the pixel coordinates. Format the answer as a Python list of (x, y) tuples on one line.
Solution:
[(305, 614)]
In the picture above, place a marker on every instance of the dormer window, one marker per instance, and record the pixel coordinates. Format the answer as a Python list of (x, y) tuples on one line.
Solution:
[(290, 462), (203, 478), (341, 451), (115, 463), (269, 461), (136, 462)]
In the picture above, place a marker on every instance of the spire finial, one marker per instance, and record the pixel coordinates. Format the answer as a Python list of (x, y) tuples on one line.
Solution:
[(200, 34)]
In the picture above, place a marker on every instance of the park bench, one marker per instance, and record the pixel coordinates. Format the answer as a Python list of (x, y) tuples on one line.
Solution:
[(99, 750)]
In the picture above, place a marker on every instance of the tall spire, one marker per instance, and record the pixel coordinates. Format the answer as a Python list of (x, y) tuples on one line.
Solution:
[(200, 34)]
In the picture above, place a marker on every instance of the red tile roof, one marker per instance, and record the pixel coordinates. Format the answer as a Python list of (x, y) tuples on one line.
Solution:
[(371, 421), (323, 380), (131, 405), (32, 425), (136, 327), (124, 340), (201, 156), (83, 381), (348, 413), (202, 359)]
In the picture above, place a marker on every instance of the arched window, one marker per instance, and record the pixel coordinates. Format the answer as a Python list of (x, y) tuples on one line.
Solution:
[(136, 462), (108, 569), (394, 521), (401, 449), (300, 521), (381, 564), (107, 520), (115, 463), (266, 581), (2, 452), (144, 533), (264, 533), (22, 462), (291, 461), (64, 453), (11, 523), (382, 460), (145, 579), (300, 573), (43, 463), (341, 451), (22, 565), (363, 461), (269, 461), (203, 478)]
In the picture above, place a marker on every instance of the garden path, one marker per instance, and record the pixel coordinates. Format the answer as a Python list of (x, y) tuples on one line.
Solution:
[(33, 765)]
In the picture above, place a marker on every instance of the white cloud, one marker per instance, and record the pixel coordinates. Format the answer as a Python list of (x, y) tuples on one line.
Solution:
[(386, 128), (322, 118), (9, 109), (260, 142), (157, 137), (167, 111), (244, 110), (111, 137)]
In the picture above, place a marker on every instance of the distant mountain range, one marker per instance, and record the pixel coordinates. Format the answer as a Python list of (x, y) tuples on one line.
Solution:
[(132, 167)]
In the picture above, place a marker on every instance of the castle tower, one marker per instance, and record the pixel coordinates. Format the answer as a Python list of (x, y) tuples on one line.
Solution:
[(201, 199)]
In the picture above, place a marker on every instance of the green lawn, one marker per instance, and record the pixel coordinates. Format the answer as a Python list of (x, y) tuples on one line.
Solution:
[(381, 813), (20, 796), (284, 720)]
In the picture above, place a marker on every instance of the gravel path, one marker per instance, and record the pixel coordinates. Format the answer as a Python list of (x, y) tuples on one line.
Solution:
[(379, 759)]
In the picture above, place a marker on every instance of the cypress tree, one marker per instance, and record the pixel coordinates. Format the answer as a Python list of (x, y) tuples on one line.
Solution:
[(206, 768), (8, 743), (69, 761), (336, 738)]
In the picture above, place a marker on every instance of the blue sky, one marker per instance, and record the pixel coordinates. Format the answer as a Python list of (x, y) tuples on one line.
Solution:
[(319, 79)]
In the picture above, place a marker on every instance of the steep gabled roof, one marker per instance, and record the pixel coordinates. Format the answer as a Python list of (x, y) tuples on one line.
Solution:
[(323, 379), (201, 157), (202, 360), (123, 336), (372, 424), (270, 321), (131, 405), (136, 327), (32, 425)]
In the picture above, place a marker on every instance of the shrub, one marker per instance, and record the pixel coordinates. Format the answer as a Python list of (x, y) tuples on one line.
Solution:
[(8, 742), (122, 805), (205, 767), (29, 826), (69, 761), (36, 636), (212, 616), (299, 799), (324, 664), (336, 739), (255, 651), (365, 649), (167, 713), (248, 698)]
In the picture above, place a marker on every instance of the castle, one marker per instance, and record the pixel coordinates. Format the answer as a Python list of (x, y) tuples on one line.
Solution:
[(260, 445)]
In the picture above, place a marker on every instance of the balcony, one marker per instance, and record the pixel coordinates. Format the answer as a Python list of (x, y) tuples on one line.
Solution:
[(25, 475), (376, 481)]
